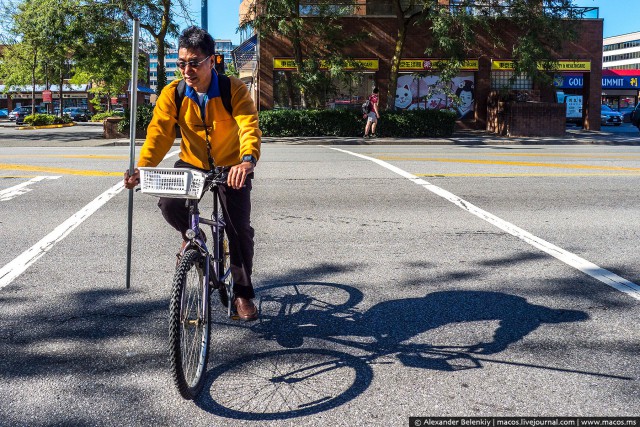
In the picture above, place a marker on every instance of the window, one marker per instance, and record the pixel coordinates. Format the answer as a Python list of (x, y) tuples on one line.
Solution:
[(502, 80)]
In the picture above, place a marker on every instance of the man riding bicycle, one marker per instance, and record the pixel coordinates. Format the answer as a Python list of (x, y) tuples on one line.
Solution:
[(210, 134)]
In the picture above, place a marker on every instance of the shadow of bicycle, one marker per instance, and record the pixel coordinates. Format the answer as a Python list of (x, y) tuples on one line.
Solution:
[(299, 381)]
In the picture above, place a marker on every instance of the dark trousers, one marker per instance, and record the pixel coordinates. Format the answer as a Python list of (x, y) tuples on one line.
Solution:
[(236, 207)]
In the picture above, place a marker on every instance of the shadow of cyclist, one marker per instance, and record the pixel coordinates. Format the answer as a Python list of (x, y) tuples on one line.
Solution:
[(391, 323)]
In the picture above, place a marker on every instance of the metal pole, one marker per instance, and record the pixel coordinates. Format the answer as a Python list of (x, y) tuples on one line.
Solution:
[(133, 103), (204, 15)]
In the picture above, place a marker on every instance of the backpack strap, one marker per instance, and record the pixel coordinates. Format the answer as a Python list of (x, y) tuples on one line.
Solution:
[(179, 96), (224, 83)]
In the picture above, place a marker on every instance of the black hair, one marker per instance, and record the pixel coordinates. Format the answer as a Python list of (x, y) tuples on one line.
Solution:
[(375, 90), (197, 38), (465, 86)]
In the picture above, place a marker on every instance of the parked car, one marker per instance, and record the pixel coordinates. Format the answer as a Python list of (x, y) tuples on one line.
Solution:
[(21, 112), (626, 114), (77, 114), (610, 117), (635, 117), (4, 113)]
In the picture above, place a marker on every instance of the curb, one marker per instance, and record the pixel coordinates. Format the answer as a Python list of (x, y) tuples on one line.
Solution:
[(65, 125)]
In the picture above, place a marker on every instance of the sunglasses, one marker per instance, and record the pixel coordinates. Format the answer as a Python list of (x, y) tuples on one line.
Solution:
[(193, 64)]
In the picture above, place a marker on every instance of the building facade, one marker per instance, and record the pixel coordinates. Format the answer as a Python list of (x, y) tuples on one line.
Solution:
[(621, 75), (488, 68)]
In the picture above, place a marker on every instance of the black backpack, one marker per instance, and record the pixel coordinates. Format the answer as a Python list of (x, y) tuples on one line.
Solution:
[(366, 107), (224, 83)]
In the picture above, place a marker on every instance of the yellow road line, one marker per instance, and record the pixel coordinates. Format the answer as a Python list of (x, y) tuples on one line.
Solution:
[(516, 175), (62, 171), (508, 163), (16, 176), (580, 156)]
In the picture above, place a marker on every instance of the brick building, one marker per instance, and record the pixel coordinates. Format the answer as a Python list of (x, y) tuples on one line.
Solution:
[(487, 69)]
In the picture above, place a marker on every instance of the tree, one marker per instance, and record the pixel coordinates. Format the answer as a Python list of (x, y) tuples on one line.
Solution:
[(157, 17), (104, 59), (454, 29), (45, 37), (301, 20)]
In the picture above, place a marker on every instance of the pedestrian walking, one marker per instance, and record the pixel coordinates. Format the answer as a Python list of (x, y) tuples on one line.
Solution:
[(372, 115)]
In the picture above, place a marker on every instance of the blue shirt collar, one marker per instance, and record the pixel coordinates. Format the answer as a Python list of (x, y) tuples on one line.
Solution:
[(212, 92)]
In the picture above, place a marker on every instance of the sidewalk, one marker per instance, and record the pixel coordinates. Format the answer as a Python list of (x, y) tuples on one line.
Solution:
[(89, 136), (464, 137)]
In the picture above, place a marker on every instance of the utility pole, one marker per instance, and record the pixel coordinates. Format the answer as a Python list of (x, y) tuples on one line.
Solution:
[(204, 15)]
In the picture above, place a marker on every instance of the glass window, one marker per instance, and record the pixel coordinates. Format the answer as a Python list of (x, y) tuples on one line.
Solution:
[(502, 80)]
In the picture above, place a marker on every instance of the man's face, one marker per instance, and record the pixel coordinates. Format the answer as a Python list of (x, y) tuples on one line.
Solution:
[(196, 76)]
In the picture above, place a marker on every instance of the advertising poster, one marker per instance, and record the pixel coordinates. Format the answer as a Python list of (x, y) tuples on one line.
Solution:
[(414, 92)]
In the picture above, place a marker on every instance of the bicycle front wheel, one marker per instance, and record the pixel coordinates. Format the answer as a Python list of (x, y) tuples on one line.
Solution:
[(189, 326)]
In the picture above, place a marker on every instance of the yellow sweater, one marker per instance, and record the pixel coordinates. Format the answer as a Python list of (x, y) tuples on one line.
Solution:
[(230, 137)]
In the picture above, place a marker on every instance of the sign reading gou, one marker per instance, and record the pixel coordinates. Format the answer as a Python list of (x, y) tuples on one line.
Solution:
[(609, 82)]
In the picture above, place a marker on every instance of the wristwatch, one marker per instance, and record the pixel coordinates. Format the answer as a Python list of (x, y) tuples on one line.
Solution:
[(249, 158)]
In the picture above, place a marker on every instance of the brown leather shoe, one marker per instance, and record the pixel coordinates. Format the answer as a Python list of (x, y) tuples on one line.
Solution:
[(246, 309)]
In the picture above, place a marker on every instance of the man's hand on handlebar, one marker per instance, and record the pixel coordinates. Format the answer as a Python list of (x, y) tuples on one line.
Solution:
[(133, 180), (238, 175)]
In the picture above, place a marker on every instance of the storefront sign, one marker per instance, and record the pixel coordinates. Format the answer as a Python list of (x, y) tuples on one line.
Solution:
[(562, 65), (609, 82), (289, 64), (425, 64)]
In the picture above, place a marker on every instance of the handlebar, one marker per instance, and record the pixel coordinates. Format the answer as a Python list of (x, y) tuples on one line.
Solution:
[(219, 175)]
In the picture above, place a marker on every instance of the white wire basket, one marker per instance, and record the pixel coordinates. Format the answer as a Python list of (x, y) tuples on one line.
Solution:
[(181, 183)]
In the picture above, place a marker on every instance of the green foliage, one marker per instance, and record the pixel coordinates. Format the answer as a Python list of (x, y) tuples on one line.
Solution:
[(101, 116), (144, 113), (417, 123), (297, 22), (349, 123), (45, 119)]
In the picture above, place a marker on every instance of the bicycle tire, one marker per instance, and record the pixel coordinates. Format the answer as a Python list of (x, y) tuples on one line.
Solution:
[(189, 325)]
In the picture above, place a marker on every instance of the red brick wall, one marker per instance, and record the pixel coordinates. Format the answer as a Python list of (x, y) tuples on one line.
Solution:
[(382, 42)]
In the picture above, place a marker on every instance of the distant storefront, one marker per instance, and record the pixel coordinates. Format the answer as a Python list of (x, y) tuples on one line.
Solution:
[(620, 88), (72, 96)]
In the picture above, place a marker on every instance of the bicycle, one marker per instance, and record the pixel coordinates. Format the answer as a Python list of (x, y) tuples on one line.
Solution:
[(198, 271)]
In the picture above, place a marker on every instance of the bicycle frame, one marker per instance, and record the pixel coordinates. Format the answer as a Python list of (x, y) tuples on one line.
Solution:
[(217, 225)]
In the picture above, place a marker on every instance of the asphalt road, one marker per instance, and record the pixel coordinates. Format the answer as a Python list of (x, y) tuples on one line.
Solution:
[(458, 284)]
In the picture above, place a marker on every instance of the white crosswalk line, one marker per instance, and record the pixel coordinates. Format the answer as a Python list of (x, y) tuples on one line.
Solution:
[(20, 189)]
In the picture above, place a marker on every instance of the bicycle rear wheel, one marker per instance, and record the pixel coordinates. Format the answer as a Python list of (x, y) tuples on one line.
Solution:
[(189, 326)]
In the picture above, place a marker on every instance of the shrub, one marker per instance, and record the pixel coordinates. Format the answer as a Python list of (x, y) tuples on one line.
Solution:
[(417, 123), (414, 123), (144, 113), (45, 119), (101, 116)]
